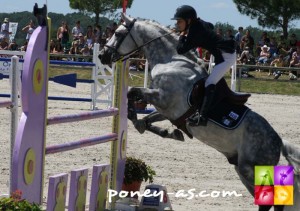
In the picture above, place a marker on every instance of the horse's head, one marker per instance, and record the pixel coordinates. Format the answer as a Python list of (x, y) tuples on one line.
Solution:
[(121, 43)]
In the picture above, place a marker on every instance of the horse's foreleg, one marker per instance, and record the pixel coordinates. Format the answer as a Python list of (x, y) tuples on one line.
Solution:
[(151, 96), (146, 124)]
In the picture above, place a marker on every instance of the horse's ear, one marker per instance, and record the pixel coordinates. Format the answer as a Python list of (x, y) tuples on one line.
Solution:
[(126, 19)]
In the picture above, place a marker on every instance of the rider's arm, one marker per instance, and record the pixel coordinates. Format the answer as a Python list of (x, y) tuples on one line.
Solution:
[(186, 42)]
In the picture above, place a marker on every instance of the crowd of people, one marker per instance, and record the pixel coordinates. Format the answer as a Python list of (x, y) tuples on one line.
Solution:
[(79, 40), (76, 40), (268, 51)]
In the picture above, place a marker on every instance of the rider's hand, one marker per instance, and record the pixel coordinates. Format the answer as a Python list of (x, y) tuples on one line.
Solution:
[(183, 33)]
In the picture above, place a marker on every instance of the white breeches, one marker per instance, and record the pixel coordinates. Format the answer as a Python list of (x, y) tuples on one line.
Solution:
[(220, 69)]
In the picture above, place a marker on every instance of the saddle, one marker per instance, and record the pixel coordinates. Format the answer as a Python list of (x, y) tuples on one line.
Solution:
[(223, 94)]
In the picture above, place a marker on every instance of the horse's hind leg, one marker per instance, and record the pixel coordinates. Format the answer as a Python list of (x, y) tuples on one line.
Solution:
[(245, 171)]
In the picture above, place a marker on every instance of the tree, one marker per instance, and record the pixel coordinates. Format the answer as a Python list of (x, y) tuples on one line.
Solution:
[(271, 13), (98, 7)]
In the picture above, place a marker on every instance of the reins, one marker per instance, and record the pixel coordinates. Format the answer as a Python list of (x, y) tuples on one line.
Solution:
[(127, 55)]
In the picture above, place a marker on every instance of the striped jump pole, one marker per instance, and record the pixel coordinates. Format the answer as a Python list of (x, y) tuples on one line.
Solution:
[(30, 147)]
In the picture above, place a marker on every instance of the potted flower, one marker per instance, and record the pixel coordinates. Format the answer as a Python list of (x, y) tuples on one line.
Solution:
[(16, 203), (136, 171)]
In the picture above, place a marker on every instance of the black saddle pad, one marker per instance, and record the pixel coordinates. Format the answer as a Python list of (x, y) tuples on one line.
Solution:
[(227, 115)]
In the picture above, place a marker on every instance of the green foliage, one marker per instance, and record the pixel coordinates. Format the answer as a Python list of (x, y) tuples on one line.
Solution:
[(14, 203), (23, 19), (137, 170), (272, 13), (98, 7)]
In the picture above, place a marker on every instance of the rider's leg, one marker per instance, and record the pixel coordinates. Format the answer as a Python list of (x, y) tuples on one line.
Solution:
[(201, 117)]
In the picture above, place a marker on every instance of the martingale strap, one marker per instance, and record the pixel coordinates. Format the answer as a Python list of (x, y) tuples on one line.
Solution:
[(180, 123)]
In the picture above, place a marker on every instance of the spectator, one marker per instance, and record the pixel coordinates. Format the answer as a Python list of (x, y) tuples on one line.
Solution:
[(85, 51), (295, 61), (238, 37), (5, 29), (246, 57), (89, 37), (24, 46), (74, 48), (284, 50), (278, 62), (4, 44), (58, 49), (13, 46), (206, 59), (63, 34), (282, 43), (97, 34), (219, 32), (264, 40), (293, 42), (81, 42), (77, 30), (29, 29), (52, 45), (247, 41), (273, 47), (264, 55), (229, 35)]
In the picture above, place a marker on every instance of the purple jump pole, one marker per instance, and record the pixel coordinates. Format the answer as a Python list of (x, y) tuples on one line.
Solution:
[(81, 143), (82, 116)]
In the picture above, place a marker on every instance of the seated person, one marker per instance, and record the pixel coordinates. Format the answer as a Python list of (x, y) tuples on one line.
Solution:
[(3, 44), (24, 46), (13, 46), (245, 57), (295, 62), (278, 62), (264, 55)]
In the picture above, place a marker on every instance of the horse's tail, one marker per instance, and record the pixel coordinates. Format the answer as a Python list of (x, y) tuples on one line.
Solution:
[(292, 154)]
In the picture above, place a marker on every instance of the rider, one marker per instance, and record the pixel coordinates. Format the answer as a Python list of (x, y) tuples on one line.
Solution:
[(194, 33)]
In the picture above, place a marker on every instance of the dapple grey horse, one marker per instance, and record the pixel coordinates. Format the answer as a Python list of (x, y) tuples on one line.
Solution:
[(253, 143)]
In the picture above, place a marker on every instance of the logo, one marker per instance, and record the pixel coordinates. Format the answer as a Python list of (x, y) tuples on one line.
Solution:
[(273, 185)]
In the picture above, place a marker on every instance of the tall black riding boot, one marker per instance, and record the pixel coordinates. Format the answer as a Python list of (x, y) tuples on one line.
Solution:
[(201, 116)]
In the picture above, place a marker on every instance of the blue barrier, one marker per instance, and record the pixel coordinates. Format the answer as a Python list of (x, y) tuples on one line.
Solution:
[(58, 98), (89, 64)]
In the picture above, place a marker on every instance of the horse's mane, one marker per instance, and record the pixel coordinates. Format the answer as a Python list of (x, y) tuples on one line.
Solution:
[(175, 36), (159, 26)]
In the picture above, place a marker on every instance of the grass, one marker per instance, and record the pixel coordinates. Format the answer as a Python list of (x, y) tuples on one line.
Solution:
[(260, 83)]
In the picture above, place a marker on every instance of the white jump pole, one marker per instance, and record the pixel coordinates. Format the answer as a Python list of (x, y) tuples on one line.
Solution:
[(15, 77), (146, 74)]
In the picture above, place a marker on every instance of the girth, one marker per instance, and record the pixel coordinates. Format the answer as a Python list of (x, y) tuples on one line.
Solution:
[(196, 98)]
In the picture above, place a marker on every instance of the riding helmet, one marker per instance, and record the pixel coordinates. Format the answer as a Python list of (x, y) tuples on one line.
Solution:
[(185, 12)]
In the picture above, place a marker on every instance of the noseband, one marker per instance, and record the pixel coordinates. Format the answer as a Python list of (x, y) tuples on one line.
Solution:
[(117, 56)]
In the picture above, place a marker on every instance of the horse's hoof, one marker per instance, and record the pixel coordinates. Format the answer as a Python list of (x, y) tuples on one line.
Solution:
[(140, 125), (178, 135)]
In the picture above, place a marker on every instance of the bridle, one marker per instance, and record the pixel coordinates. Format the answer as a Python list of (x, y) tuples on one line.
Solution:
[(117, 56)]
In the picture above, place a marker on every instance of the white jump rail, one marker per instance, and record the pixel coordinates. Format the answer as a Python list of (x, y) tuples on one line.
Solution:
[(12, 104)]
